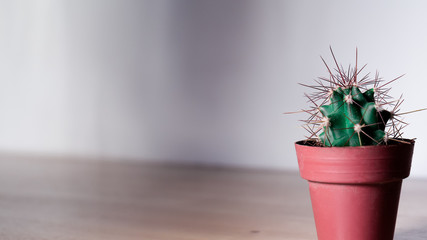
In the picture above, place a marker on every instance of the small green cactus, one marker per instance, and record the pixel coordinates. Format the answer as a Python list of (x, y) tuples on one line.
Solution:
[(349, 111), (352, 119)]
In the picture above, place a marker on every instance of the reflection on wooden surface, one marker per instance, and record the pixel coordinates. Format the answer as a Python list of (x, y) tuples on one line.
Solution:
[(60, 199)]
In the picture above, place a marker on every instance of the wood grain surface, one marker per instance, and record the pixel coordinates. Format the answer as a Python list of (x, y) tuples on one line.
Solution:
[(64, 199)]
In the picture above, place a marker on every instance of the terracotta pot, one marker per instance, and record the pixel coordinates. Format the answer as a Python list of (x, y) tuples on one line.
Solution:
[(355, 190)]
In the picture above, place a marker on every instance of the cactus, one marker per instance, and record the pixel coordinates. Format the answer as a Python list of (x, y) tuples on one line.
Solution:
[(352, 119), (349, 111)]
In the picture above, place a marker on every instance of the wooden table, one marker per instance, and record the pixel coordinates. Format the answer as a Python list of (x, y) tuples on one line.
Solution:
[(62, 199)]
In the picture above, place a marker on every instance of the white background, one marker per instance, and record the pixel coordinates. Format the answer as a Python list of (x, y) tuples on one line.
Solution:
[(202, 82)]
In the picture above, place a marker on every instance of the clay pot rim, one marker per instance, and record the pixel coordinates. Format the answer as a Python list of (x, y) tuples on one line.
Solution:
[(359, 164), (395, 144)]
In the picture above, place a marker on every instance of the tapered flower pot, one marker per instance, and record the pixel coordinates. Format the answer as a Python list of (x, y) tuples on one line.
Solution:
[(355, 190)]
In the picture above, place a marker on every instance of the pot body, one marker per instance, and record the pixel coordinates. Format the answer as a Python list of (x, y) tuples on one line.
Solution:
[(355, 190)]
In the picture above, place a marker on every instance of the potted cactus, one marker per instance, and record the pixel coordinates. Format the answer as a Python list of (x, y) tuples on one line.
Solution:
[(354, 157)]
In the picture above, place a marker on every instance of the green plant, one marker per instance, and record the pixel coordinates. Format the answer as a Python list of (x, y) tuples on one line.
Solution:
[(349, 110), (352, 118)]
